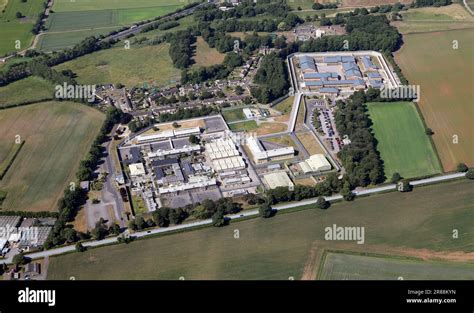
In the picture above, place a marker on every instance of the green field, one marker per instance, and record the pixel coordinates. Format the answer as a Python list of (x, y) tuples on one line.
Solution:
[(57, 136), (446, 104), (72, 21), (233, 115), (430, 19), (12, 28), (284, 245), (132, 67), (58, 41), (402, 142), (26, 90), (285, 106), (91, 5), (243, 126), (341, 266)]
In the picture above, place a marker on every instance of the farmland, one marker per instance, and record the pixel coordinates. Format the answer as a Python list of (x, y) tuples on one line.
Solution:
[(26, 90), (446, 104), (402, 142), (342, 266), (431, 19), (13, 28), (416, 224), (73, 21), (153, 66), (57, 136)]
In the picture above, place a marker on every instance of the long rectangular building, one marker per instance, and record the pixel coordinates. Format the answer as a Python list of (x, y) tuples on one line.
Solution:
[(260, 155)]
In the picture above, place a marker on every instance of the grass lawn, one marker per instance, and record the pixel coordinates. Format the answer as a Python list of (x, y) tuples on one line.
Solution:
[(12, 28), (402, 142), (446, 104), (244, 126), (267, 128), (29, 89), (284, 246), (284, 140), (205, 55), (285, 106), (343, 266), (57, 136), (139, 207), (233, 115), (310, 142), (132, 67)]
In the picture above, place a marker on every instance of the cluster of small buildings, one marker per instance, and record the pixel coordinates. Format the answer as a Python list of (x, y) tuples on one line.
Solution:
[(310, 31), (332, 73), (23, 233), (253, 113), (163, 166)]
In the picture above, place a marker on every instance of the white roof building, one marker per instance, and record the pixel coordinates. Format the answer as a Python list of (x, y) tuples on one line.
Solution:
[(166, 134), (315, 163), (137, 169), (193, 182), (248, 113), (278, 179), (260, 154)]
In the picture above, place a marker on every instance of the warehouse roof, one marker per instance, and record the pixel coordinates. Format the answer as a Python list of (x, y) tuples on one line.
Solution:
[(278, 179)]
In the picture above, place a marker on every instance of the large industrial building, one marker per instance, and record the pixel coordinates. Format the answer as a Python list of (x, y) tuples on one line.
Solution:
[(278, 179), (315, 163)]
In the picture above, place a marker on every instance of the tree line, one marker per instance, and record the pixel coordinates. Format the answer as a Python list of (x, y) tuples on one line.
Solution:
[(73, 196)]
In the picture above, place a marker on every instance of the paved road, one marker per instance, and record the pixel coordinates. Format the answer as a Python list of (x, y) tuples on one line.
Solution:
[(250, 213)]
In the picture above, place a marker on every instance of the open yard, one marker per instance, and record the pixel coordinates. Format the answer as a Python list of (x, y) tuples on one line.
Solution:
[(402, 142), (267, 128), (13, 28), (417, 224), (344, 266), (26, 90), (233, 115), (310, 143), (427, 60), (243, 126), (205, 55), (57, 136), (132, 67)]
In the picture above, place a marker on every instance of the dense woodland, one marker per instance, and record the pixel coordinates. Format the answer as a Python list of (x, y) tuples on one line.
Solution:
[(272, 78)]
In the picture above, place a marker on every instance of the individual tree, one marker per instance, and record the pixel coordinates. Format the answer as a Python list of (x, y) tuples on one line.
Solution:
[(470, 174), (175, 125), (347, 193), (395, 178), (140, 222), (132, 225), (462, 168), (321, 203), (265, 210), (19, 259), (218, 219), (80, 247), (19, 15), (429, 132), (194, 139), (239, 90), (70, 234)]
